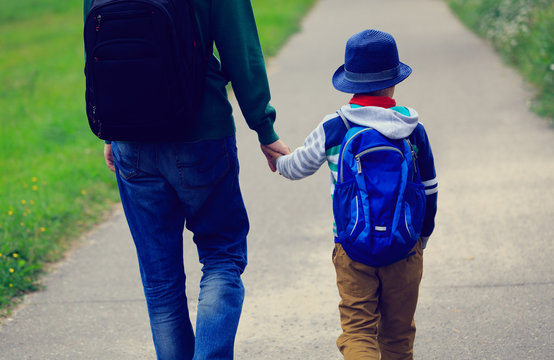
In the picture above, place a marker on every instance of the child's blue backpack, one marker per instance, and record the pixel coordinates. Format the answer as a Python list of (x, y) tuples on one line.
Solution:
[(144, 69), (379, 199)]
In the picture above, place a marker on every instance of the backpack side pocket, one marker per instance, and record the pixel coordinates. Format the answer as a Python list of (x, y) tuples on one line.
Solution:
[(348, 211), (414, 209)]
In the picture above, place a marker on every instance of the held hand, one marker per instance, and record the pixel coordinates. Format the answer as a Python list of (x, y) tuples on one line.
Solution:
[(108, 156), (272, 157), (273, 151)]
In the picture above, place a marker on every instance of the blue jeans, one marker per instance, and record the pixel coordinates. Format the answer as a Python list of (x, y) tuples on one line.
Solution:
[(164, 187)]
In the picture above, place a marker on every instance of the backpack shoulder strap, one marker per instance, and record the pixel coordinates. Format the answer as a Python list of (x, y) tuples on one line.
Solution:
[(413, 153), (344, 120)]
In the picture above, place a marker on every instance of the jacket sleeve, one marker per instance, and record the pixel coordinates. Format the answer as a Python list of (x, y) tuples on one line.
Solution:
[(236, 37), (305, 160), (426, 166)]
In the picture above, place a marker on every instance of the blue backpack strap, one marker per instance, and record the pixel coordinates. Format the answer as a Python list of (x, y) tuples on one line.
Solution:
[(344, 120), (413, 154)]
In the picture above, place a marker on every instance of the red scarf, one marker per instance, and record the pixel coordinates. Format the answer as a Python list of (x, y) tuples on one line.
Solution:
[(367, 100)]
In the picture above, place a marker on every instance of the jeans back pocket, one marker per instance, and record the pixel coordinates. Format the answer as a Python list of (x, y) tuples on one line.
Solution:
[(126, 157)]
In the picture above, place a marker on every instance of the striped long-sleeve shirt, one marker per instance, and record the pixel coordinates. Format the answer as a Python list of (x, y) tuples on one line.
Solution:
[(324, 142)]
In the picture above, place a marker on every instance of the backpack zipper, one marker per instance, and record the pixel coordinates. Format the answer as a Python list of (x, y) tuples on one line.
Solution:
[(406, 224), (414, 158), (357, 216), (151, 3), (102, 17), (344, 149), (98, 22), (126, 14)]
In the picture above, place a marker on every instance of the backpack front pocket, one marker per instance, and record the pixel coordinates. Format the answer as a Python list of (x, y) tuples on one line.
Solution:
[(141, 99)]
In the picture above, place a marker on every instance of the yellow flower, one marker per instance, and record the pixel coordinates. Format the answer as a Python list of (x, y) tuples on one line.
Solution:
[(42, 229), (22, 223), (0, 254), (12, 270), (24, 202), (34, 179), (35, 188), (83, 192), (10, 213), (15, 255), (11, 285)]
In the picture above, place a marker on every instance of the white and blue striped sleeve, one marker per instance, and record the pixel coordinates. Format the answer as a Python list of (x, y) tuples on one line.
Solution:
[(305, 160), (431, 186)]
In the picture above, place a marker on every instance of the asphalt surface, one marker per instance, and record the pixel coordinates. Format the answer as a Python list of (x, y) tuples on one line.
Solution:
[(487, 290)]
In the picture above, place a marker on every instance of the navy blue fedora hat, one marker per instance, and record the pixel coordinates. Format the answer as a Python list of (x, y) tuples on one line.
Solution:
[(370, 63)]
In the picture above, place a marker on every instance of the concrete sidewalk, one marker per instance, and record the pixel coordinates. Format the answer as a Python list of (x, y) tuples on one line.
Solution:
[(487, 289)]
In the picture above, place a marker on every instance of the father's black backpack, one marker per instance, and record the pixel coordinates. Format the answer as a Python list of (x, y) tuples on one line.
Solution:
[(144, 69)]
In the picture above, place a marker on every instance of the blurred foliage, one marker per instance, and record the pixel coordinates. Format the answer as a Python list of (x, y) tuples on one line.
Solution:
[(522, 31)]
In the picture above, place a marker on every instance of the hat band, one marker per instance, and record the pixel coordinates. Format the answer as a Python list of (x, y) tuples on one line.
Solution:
[(369, 77)]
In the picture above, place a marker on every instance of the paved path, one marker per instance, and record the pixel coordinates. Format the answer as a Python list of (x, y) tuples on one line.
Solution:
[(487, 290)]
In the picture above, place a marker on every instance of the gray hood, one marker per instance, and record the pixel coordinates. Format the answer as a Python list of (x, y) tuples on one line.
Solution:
[(390, 123)]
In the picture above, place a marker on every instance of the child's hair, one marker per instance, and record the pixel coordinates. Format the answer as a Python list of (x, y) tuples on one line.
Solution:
[(382, 92)]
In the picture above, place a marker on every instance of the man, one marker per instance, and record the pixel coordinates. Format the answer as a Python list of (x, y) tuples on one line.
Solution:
[(194, 183)]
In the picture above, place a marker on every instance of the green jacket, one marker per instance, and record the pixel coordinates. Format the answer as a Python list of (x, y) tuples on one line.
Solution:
[(230, 24)]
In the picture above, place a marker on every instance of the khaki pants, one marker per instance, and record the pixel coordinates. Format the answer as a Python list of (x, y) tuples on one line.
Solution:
[(377, 306)]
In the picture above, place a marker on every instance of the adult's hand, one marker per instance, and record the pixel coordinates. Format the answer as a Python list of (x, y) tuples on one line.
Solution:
[(108, 156), (275, 147)]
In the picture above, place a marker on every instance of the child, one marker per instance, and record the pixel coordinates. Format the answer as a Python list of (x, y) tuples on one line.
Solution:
[(377, 303)]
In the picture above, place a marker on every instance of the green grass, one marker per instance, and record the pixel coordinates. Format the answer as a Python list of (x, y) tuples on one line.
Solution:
[(277, 20), (23, 9), (54, 184), (522, 31)]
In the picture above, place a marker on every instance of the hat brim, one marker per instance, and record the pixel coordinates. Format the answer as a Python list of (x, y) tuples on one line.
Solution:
[(342, 84)]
